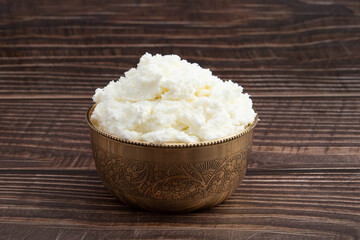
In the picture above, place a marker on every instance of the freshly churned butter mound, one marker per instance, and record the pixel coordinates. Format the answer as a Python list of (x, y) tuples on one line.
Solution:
[(166, 99)]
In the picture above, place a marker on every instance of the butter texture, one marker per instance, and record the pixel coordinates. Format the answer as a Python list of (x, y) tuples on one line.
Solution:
[(169, 100)]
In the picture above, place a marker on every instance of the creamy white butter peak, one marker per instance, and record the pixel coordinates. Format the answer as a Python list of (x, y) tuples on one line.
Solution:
[(166, 99)]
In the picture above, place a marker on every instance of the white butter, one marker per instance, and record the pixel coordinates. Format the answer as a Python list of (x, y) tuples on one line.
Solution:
[(166, 99)]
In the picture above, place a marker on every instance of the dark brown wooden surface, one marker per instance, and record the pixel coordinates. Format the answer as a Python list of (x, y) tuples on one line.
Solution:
[(300, 61)]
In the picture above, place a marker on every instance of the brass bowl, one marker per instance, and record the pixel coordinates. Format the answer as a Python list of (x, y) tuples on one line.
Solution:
[(171, 177)]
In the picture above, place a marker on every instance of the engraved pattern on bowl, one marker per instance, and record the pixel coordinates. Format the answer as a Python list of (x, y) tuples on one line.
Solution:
[(171, 177)]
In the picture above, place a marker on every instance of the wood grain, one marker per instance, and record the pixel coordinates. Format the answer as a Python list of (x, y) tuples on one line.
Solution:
[(72, 203), (275, 48), (299, 59), (316, 132)]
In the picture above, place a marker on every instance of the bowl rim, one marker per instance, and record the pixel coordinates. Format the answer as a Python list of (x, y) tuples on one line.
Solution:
[(168, 145)]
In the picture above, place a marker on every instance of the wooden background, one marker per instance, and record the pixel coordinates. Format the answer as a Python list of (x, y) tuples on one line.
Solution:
[(300, 61)]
